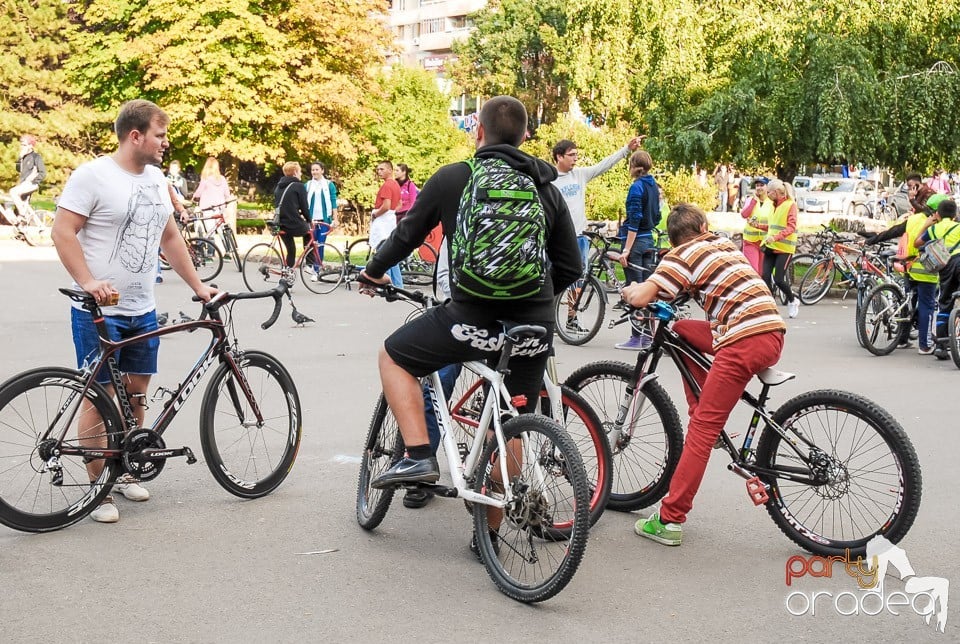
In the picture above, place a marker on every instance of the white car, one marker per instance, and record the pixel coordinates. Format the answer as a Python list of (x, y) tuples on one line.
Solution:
[(837, 195), (803, 184)]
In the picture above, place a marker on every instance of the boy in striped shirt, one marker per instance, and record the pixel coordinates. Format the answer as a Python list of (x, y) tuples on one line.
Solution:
[(744, 334)]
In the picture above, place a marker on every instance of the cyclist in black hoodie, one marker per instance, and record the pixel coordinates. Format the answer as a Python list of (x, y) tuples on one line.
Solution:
[(290, 196), (465, 327)]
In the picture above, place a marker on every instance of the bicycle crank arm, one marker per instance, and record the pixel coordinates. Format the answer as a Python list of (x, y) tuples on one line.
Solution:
[(162, 454), (439, 490)]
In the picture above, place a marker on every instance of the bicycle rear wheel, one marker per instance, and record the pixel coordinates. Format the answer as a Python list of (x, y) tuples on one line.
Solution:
[(881, 319), (816, 282), (953, 329), (585, 429), (328, 275), (797, 267), (33, 497), (549, 488), (580, 311), (871, 482), (247, 457), (206, 258), (262, 267), (646, 449), (382, 448)]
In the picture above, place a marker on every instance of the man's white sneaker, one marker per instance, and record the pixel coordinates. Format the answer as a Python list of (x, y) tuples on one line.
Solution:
[(128, 487), (106, 512), (793, 308)]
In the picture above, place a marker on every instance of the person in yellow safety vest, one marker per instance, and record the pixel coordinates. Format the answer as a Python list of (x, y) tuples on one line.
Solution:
[(922, 284), (942, 225), (756, 211), (780, 243)]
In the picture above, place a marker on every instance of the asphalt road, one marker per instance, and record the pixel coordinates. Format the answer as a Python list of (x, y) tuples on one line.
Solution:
[(195, 564)]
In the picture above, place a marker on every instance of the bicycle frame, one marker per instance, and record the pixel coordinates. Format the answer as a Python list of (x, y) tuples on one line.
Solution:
[(666, 340), (218, 347), (460, 470)]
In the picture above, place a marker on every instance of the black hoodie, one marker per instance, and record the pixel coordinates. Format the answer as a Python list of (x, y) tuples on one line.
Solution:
[(439, 201), (295, 209)]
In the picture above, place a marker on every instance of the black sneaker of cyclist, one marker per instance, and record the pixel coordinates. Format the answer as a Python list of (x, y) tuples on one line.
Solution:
[(417, 498), (475, 548), (409, 470)]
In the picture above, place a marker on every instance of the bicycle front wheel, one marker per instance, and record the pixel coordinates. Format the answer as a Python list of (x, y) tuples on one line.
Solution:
[(230, 241), (206, 258), (416, 270), (40, 492), (868, 283), (881, 319), (580, 311), (327, 276), (262, 267), (383, 448), (584, 427), (548, 488), (250, 455), (816, 282), (359, 252), (865, 476), (646, 448)]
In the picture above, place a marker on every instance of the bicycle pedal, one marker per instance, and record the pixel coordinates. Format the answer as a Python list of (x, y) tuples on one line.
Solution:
[(191, 459), (757, 491)]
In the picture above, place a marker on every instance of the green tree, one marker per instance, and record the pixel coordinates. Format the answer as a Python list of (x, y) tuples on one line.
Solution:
[(35, 95), (518, 48), (248, 81), (410, 123)]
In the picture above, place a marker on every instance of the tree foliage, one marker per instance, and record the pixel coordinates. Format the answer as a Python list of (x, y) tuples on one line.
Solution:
[(252, 81), (410, 123), (35, 96), (518, 48)]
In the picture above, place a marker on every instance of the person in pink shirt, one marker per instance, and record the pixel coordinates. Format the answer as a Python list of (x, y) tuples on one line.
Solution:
[(408, 190), (213, 190)]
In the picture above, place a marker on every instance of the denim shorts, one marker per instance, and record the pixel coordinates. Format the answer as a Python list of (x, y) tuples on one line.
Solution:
[(138, 359)]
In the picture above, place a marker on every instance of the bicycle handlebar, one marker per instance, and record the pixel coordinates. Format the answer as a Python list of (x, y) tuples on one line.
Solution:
[(223, 297), (392, 293)]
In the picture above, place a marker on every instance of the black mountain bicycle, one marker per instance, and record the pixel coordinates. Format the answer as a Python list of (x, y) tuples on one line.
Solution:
[(833, 468), (64, 441)]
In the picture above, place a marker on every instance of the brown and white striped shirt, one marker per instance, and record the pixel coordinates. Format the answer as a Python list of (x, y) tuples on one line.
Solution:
[(718, 276)]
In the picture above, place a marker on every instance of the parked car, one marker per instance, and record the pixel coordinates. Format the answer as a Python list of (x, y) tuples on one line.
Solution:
[(803, 184), (838, 195)]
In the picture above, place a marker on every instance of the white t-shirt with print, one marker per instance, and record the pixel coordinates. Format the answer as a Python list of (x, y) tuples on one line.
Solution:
[(126, 214)]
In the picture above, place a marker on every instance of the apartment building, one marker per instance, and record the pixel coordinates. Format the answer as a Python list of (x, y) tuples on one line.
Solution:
[(425, 29)]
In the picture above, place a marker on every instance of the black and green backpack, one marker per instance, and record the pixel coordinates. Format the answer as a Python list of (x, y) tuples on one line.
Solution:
[(498, 249)]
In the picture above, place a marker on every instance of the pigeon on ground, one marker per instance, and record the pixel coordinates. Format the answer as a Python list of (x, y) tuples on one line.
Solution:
[(299, 317)]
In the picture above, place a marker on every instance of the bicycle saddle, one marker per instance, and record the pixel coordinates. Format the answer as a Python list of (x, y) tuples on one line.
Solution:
[(516, 331), (77, 296), (773, 377)]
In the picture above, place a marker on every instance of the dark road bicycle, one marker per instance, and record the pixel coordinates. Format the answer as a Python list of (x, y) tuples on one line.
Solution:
[(57, 422), (833, 468)]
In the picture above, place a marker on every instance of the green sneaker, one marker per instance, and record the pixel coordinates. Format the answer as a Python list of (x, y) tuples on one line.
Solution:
[(668, 534)]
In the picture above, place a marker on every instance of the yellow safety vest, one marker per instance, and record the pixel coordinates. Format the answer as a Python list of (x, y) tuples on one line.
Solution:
[(915, 269), (778, 223), (762, 212)]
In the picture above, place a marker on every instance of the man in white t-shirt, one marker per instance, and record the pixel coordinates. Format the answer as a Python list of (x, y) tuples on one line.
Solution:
[(572, 182), (112, 218)]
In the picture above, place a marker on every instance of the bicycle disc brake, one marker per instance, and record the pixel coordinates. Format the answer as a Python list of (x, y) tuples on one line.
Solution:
[(133, 445)]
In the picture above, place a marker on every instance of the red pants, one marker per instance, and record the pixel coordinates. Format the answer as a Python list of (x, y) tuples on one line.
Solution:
[(733, 367)]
